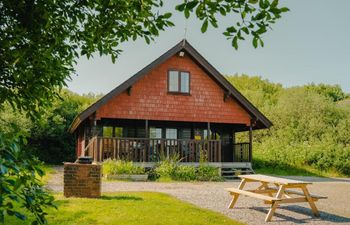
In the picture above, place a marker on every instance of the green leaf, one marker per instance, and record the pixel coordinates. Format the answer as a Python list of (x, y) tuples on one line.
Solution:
[(187, 13), (3, 169), (191, 5), (10, 212), (261, 42), (231, 29), (226, 33), (222, 11), (243, 14), (147, 40), (167, 15), (235, 42), (204, 26), (20, 216), (274, 4), (261, 30), (284, 9), (245, 30), (255, 42), (213, 22), (263, 4), (180, 7), (259, 16), (253, 1), (40, 172)]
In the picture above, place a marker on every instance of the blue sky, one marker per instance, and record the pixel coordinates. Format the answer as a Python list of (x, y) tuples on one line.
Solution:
[(311, 43)]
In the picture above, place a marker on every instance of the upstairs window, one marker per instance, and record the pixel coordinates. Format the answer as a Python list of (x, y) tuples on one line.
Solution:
[(178, 82)]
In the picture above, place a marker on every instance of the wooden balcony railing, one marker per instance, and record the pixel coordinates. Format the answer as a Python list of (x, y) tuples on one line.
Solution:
[(152, 149), (242, 152)]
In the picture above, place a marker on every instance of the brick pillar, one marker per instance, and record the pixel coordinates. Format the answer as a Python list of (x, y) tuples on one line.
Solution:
[(82, 180)]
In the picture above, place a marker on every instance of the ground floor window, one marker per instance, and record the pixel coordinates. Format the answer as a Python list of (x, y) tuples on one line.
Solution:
[(155, 132), (171, 133), (107, 132), (118, 132)]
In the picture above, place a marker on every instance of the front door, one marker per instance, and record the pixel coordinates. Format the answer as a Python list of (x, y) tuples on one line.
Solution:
[(226, 146)]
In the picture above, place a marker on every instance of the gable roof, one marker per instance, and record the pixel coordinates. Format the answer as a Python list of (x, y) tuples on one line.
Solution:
[(261, 120)]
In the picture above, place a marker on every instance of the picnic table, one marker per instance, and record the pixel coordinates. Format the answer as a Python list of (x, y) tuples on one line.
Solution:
[(275, 191)]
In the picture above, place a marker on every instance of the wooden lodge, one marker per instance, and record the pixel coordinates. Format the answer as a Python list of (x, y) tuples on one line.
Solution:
[(180, 104)]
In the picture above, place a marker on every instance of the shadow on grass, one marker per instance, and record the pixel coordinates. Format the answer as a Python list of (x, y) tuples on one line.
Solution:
[(121, 197), (324, 216)]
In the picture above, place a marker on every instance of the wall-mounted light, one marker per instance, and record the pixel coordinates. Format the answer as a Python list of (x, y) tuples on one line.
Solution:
[(182, 54), (129, 90), (226, 94)]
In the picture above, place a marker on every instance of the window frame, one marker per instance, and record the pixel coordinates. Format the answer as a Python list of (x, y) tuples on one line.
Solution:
[(179, 92)]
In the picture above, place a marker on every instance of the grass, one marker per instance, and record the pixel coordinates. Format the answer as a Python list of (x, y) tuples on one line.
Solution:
[(49, 171), (129, 208), (296, 171)]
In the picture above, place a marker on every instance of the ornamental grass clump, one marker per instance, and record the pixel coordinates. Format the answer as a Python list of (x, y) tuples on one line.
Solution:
[(114, 167), (168, 169), (208, 173), (184, 173)]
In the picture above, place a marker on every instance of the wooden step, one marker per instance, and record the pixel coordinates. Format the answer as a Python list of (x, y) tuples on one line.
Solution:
[(231, 173), (230, 177)]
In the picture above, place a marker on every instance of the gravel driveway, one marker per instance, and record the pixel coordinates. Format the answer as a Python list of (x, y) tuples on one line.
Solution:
[(211, 195)]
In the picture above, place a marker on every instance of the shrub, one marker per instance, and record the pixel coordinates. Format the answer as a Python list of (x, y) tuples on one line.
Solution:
[(184, 173), (165, 169), (208, 173), (113, 167), (168, 170)]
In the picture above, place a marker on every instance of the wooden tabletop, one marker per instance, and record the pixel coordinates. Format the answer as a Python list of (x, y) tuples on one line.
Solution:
[(271, 179)]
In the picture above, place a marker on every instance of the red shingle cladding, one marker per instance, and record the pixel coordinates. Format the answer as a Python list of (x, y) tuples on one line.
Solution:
[(149, 98)]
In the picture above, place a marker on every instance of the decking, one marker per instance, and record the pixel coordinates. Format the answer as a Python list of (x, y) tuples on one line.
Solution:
[(148, 151)]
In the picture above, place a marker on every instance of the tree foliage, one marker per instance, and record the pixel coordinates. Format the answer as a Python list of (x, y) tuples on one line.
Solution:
[(41, 40), (309, 127), (47, 137), (334, 92), (18, 182)]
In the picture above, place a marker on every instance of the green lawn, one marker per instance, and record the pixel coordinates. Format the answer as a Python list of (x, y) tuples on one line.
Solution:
[(129, 208), (296, 171), (49, 170)]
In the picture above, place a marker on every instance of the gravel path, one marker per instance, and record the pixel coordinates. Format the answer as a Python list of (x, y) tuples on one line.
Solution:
[(211, 195)]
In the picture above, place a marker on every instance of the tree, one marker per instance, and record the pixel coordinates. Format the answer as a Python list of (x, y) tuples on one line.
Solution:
[(49, 139), (41, 39), (333, 92), (309, 128)]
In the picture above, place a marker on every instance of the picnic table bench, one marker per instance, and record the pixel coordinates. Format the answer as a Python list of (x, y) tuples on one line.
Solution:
[(279, 193)]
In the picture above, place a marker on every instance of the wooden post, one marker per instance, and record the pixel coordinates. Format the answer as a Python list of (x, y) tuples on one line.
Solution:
[(146, 143), (101, 150), (83, 143), (250, 141), (97, 150), (113, 131), (208, 134), (146, 128)]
